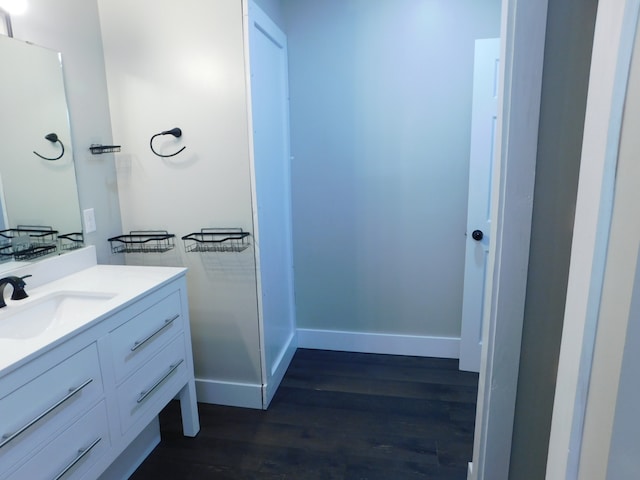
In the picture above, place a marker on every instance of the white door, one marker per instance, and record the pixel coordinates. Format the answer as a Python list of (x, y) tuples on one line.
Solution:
[(269, 100), (483, 132)]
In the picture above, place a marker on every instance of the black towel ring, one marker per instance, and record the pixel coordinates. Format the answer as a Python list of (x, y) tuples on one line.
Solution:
[(53, 138), (176, 132)]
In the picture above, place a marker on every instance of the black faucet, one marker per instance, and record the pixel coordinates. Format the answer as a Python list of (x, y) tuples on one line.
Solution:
[(18, 288)]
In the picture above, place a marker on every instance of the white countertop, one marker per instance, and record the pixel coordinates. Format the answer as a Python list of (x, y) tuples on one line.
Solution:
[(119, 285)]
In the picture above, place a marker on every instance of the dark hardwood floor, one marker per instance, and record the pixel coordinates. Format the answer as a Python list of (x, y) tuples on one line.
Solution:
[(336, 416)]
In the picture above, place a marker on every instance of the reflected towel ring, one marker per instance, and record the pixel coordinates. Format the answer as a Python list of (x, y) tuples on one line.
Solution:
[(176, 132), (53, 138)]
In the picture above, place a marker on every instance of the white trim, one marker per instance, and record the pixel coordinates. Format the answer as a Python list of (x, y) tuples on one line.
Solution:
[(254, 196), (523, 37), (247, 395), (279, 369), (271, 374), (615, 29), (385, 343)]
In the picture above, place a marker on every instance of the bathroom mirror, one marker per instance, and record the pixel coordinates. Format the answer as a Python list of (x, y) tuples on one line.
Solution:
[(35, 191)]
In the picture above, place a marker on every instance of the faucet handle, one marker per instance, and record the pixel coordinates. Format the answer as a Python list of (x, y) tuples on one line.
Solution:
[(18, 289)]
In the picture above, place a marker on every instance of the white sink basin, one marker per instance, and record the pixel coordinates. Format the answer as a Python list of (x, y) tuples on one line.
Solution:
[(27, 318)]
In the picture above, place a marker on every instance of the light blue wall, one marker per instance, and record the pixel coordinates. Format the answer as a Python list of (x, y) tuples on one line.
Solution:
[(380, 124), (273, 9)]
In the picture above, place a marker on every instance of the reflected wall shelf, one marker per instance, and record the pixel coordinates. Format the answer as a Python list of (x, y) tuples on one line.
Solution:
[(99, 149), (27, 242), (71, 241), (31, 233), (34, 251), (217, 240), (143, 241)]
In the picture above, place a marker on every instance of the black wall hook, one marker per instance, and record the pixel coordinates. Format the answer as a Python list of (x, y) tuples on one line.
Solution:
[(176, 132), (53, 138)]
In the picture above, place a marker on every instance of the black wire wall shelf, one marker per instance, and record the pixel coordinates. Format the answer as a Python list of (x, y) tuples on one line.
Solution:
[(143, 241), (99, 149), (71, 241), (217, 240)]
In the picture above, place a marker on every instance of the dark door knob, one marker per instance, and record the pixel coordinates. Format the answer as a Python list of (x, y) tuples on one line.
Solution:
[(477, 235)]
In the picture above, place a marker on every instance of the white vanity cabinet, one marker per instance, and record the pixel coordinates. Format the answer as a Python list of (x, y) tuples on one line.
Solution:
[(69, 411), (34, 414)]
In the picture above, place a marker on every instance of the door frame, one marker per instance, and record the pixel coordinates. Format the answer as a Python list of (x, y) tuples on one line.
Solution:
[(523, 30), (614, 35), (272, 374), (522, 33)]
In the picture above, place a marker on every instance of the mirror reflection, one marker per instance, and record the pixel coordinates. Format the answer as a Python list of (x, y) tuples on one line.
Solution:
[(38, 193)]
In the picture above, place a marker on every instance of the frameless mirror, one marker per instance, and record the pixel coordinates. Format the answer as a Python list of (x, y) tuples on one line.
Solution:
[(37, 174)]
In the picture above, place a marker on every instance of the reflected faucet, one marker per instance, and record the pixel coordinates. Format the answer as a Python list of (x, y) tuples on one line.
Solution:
[(18, 288)]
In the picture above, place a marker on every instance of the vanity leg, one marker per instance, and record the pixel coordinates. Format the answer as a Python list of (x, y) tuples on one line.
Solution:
[(189, 410)]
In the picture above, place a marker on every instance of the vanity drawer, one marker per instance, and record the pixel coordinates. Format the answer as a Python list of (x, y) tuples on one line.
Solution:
[(151, 387), (34, 412), (71, 454), (134, 342)]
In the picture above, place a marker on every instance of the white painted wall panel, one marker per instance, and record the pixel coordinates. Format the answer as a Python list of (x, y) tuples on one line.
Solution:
[(618, 287), (269, 97), (168, 66)]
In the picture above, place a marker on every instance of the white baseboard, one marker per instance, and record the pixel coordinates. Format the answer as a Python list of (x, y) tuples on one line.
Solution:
[(414, 345), (247, 395), (279, 369)]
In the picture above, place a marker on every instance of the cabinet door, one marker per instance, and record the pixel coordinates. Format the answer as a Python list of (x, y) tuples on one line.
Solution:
[(71, 454), (148, 390), (136, 341), (33, 413)]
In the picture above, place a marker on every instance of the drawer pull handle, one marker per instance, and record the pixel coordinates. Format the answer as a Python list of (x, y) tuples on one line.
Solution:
[(166, 323), (145, 393), (7, 437), (81, 453)]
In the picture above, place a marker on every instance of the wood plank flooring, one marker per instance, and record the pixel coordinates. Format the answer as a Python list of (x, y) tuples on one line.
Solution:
[(336, 415)]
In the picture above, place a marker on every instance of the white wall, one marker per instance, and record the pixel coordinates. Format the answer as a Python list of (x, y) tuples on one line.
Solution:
[(617, 290), (170, 66), (72, 27), (595, 313), (380, 123), (624, 448)]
